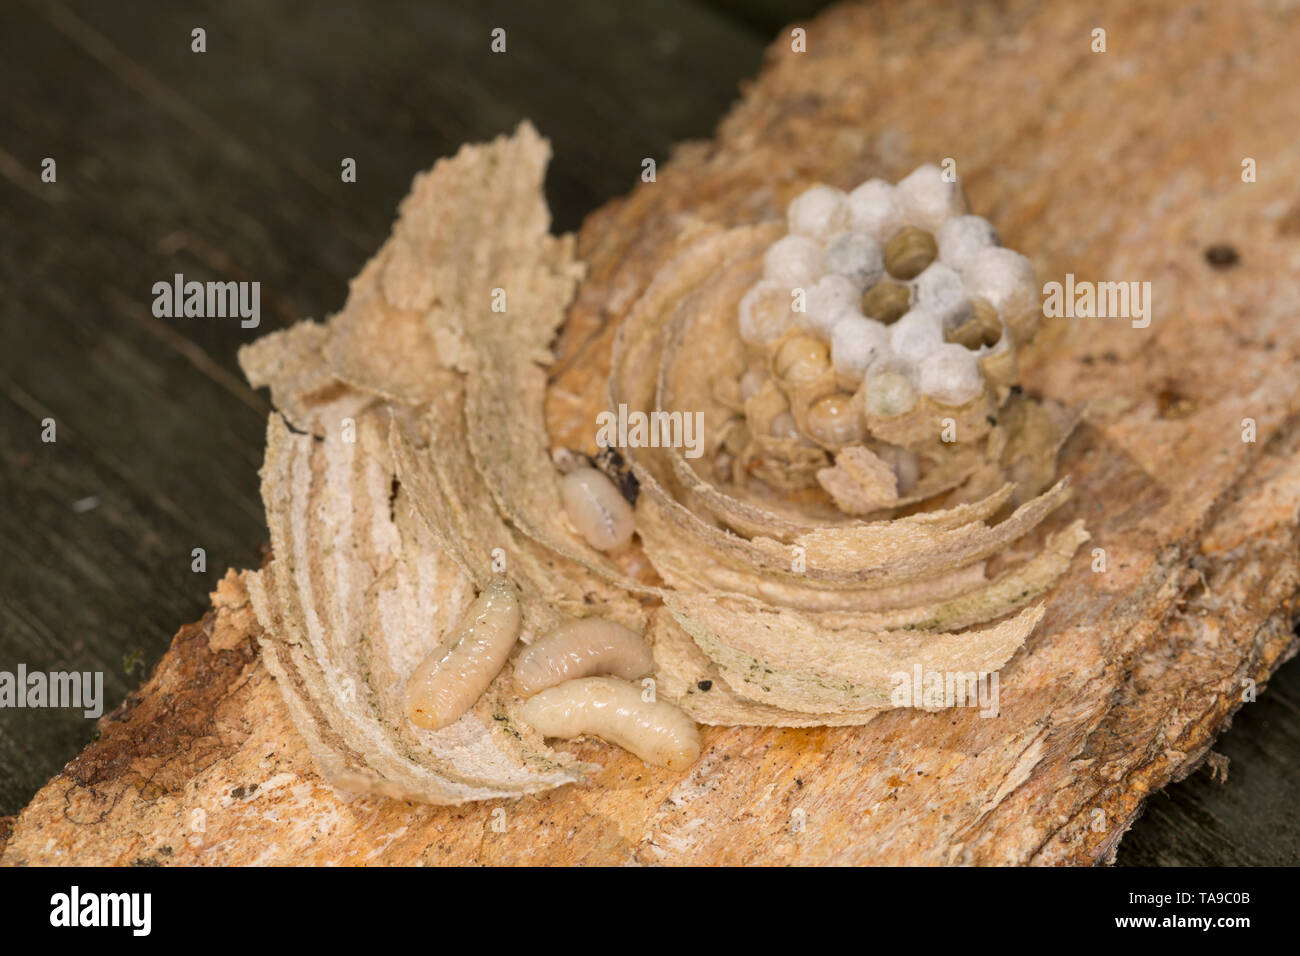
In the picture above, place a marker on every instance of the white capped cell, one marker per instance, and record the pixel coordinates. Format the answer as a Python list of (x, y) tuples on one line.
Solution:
[(939, 289), (1005, 278), (794, 261), (855, 343), (961, 237), (818, 213), (874, 208), (951, 375), (832, 297), (928, 199), (916, 335), (888, 392), (856, 256), (765, 312)]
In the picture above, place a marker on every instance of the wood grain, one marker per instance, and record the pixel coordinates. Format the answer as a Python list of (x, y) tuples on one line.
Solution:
[(1123, 165)]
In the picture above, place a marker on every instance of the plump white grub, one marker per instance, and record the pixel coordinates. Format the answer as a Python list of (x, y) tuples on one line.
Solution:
[(855, 343), (449, 681), (889, 389), (794, 262), (801, 359), (962, 237), (856, 256), (951, 375), (832, 297), (613, 710), (818, 213), (586, 647), (766, 311), (784, 426), (939, 290), (752, 382), (1005, 278), (836, 420), (597, 509), (928, 199), (875, 208), (916, 335)]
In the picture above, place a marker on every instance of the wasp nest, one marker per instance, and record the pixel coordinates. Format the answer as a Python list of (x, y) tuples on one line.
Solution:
[(886, 320), (875, 492), (866, 493)]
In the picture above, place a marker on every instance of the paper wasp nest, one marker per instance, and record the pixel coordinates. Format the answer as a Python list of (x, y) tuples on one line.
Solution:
[(885, 318), (871, 493)]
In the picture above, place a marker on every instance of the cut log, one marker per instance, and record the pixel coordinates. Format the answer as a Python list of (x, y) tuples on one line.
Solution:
[(1117, 166)]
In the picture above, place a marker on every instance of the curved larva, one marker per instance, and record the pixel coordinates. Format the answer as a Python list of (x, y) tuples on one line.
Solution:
[(582, 648), (659, 733), (449, 681), (597, 509)]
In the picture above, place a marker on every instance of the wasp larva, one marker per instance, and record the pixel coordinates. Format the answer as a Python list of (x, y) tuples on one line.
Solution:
[(454, 676), (597, 509), (582, 648), (613, 710)]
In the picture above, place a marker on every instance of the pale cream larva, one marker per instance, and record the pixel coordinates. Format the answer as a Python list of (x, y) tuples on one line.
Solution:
[(449, 681), (583, 648), (597, 509), (613, 710)]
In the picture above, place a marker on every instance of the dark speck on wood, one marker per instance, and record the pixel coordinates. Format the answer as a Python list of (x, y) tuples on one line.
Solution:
[(1222, 256)]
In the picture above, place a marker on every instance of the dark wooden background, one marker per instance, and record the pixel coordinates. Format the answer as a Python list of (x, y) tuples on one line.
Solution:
[(225, 165)]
